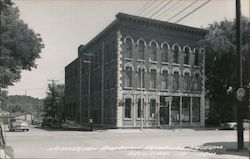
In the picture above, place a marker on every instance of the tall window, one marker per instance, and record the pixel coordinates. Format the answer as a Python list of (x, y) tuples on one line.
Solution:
[(113, 49), (139, 112), (128, 48), (153, 78), (141, 49), (197, 82), (176, 54), (152, 108), (185, 116), (196, 109), (164, 82), (175, 109), (127, 108), (153, 51), (176, 80), (141, 77), (186, 56), (107, 53), (165, 53), (128, 77), (186, 82), (196, 57)]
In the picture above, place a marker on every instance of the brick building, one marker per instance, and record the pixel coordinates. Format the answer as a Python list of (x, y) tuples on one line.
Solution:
[(138, 67)]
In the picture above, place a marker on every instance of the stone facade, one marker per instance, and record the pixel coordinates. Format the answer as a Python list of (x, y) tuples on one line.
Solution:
[(136, 58)]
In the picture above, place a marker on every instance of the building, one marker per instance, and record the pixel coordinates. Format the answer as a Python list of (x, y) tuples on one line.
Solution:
[(138, 67)]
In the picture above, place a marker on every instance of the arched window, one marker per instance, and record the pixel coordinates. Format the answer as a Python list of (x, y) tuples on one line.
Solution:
[(164, 82), (186, 83), (176, 54), (153, 51), (128, 48), (165, 53), (141, 49), (141, 78), (196, 57), (128, 77), (153, 78), (186, 55), (127, 111), (197, 82), (176, 77)]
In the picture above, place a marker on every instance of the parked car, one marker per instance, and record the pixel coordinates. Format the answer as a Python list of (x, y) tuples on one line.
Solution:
[(5, 151), (18, 124), (233, 125)]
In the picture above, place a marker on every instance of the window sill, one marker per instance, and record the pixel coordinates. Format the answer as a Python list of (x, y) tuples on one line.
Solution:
[(186, 91), (141, 60), (196, 66), (127, 119), (152, 89), (139, 118), (185, 65), (140, 89), (151, 61), (164, 90), (176, 64), (128, 59), (128, 88), (165, 63), (151, 118)]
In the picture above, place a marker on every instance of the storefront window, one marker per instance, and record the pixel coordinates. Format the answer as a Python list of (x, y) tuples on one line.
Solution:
[(128, 108), (175, 109), (196, 109), (139, 108), (185, 116), (152, 108)]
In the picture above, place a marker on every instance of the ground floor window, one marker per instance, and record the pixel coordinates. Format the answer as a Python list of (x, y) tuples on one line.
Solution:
[(185, 116), (152, 108), (175, 109), (139, 112), (196, 109), (128, 108)]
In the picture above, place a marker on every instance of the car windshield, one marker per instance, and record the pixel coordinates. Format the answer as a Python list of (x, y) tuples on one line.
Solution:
[(19, 121)]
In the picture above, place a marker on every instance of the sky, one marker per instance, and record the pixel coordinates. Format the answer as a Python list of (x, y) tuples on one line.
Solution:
[(66, 24)]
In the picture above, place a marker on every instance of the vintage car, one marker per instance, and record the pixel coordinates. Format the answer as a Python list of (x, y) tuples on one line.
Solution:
[(233, 125), (18, 124)]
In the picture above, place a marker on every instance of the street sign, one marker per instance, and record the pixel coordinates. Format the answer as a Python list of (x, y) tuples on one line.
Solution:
[(240, 93)]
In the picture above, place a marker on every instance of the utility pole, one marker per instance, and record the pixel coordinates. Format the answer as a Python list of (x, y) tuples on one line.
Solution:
[(239, 75)]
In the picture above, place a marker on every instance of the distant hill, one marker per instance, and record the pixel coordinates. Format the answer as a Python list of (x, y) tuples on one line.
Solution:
[(24, 104)]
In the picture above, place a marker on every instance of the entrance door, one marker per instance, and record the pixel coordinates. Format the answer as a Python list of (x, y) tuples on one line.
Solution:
[(164, 116)]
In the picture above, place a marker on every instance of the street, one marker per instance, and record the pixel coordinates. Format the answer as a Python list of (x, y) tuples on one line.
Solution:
[(127, 143)]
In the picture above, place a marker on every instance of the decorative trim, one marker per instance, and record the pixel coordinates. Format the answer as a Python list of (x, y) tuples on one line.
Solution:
[(128, 65), (165, 68), (143, 66), (165, 43), (153, 68), (128, 37), (157, 45), (186, 71), (141, 39), (176, 69)]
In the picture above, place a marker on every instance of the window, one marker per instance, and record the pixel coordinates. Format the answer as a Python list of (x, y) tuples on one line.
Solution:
[(128, 48), (165, 53), (152, 108), (185, 116), (128, 77), (141, 77), (107, 54), (176, 54), (196, 109), (186, 56), (186, 82), (127, 108), (153, 79), (164, 82), (197, 82), (139, 110), (113, 49), (141, 50), (176, 80), (175, 109), (196, 57), (153, 51)]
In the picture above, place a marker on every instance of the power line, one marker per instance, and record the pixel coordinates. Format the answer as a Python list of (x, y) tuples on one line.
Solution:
[(175, 6), (193, 11), (162, 8), (147, 7), (155, 7), (183, 10), (138, 11)]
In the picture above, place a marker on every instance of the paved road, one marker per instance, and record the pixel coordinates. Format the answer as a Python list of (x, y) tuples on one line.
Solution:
[(151, 143)]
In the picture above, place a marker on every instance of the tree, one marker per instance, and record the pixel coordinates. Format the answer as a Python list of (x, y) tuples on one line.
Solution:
[(53, 100), (19, 45), (221, 67)]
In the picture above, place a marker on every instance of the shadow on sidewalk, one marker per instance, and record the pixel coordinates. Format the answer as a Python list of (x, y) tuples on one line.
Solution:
[(223, 148)]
